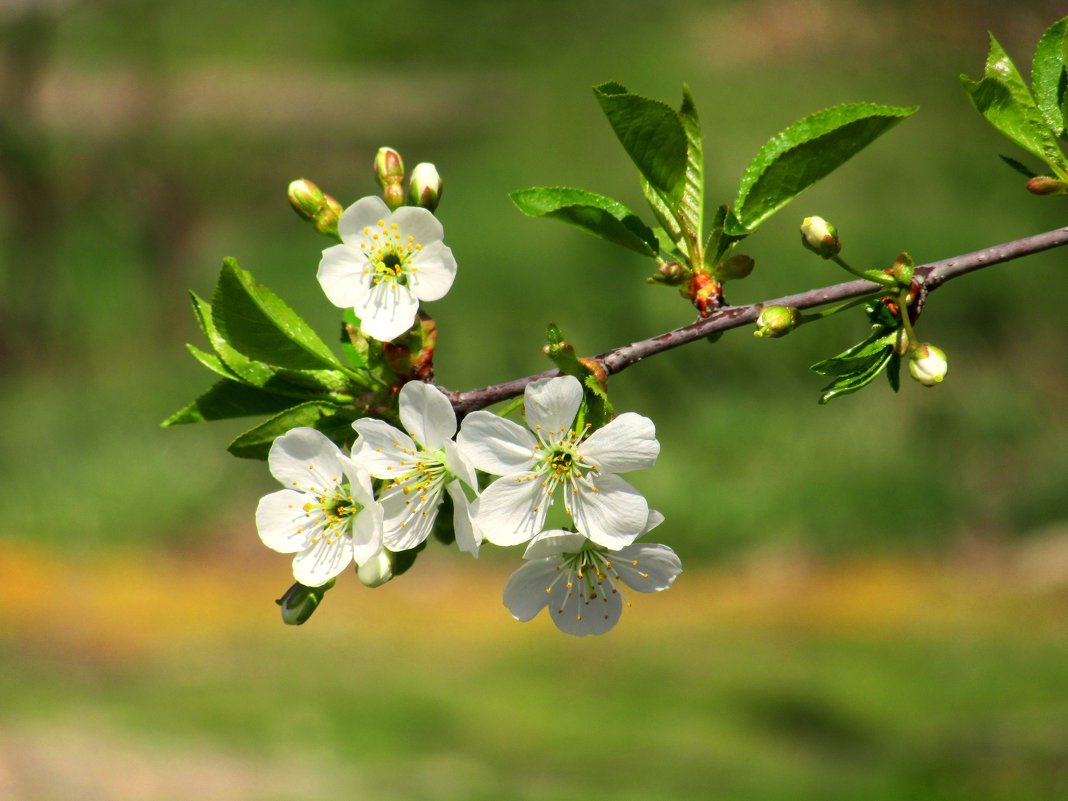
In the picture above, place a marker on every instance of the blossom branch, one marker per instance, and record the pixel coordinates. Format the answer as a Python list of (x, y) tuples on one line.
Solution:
[(931, 276)]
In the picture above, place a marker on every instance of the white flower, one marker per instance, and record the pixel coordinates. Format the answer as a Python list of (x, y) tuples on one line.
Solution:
[(580, 582), (420, 467), (604, 507), (386, 264), (328, 518)]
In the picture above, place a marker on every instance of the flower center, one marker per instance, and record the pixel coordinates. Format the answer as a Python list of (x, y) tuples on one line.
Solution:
[(388, 253), (588, 574), (561, 462), (330, 515), (422, 483)]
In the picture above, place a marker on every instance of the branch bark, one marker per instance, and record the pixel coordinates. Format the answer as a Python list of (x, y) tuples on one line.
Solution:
[(931, 276)]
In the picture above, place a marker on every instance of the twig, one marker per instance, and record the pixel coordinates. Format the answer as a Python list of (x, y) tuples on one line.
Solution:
[(931, 275)]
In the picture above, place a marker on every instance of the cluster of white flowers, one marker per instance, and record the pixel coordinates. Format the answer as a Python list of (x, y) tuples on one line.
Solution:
[(330, 516)]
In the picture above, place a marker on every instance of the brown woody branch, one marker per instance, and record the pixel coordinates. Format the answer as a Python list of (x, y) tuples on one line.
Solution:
[(930, 276)]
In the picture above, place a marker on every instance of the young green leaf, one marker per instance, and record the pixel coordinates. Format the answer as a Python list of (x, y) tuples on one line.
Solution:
[(1006, 102), (853, 358), (249, 370), (692, 203), (652, 134), (666, 217), (865, 371), (213, 363), (1019, 166), (807, 151), (1048, 77), (259, 324), (256, 442), (599, 215), (226, 399)]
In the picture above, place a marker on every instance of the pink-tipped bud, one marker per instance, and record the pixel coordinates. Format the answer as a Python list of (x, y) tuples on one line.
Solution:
[(1044, 185), (820, 237), (389, 167), (777, 321), (928, 364), (424, 188)]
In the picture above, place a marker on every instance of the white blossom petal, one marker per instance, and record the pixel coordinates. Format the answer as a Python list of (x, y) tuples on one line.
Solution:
[(381, 449), (553, 543), (496, 445), (551, 404), (613, 516), (387, 311), (418, 223), (432, 271), (626, 443), (525, 593), (367, 533), (457, 464), (280, 517), (579, 611), (323, 560), (468, 537), (305, 459), (343, 276), (512, 509), (408, 518), (427, 414), (364, 213), (647, 567), (654, 520)]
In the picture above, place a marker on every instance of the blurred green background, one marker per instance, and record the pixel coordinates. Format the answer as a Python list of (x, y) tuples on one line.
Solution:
[(140, 142)]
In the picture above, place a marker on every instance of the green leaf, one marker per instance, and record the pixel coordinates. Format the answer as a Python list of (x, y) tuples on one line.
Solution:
[(867, 370), (254, 372), (666, 217), (226, 399), (1048, 77), (599, 215), (893, 371), (259, 324), (256, 442), (807, 151), (692, 204), (1004, 99), (853, 358), (651, 133), (212, 362)]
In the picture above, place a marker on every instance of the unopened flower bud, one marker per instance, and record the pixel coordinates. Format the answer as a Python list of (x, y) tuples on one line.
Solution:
[(735, 268), (389, 168), (820, 237), (314, 205), (928, 365), (389, 172), (376, 571), (299, 602), (424, 188), (777, 321), (1044, 185)]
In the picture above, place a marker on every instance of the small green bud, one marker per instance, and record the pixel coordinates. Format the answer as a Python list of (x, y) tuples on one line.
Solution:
[(670, 273), (314, 205), (735, 268), (376, 571), (300, 602), (928, 364), (424, 188), (777, 321), (820, 237), (903, 269)]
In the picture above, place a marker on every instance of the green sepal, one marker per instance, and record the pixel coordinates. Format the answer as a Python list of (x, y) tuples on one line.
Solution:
[(867, 370), (1049, 80), (805, 152), (1019, 166), (256, 442), (227, 399), (260, 325), (1004, 99), (652, 134), (599, 215)]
